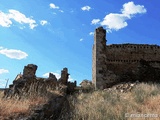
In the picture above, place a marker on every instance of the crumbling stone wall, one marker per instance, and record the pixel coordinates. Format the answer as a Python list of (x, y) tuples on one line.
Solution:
[(99, 57), (29, 71), (27, 82), (132, 52), (122, 62), (64, 76)]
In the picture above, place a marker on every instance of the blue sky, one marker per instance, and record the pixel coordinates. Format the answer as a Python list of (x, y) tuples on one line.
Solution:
[(54, 34)]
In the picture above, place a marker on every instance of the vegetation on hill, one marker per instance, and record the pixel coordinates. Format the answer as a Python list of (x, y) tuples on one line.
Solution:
[(23, 106), (110, 105), (95, 105), (13, 108)]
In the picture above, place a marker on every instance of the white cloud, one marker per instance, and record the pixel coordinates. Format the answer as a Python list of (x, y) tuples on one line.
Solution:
[(13, 54), (81, 39), (53, 6), (130, 8), (2, 71), (6, 19), (95, 21), (114, 21), (43, 22), (57, 75), (86, 8), (21, 18), (117, 21), (91, 33)]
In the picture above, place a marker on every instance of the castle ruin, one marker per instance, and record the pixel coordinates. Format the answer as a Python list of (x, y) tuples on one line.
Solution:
[(123, 62)]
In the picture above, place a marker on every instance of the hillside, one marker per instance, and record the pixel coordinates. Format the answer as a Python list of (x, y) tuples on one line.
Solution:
[(143, 101)]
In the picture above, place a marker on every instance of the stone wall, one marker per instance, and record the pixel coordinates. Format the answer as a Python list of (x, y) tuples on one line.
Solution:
[(27, 82), (121, 62), (99, 57), (29, 71), (132, 52), (64, 76)]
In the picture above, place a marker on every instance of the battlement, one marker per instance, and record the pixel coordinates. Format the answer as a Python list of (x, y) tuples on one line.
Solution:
[(136, 46), (132, 52), (130, 61)]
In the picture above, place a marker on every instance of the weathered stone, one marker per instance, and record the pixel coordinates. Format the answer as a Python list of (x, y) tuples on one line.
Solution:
[(20, 83), (51, 81), (28, 83), (51, 75), (122, 87), (29, 71), (64, 76), (71, 87), (115, 63), (86, 83), (51, 78), (87, 86), (19, 76)]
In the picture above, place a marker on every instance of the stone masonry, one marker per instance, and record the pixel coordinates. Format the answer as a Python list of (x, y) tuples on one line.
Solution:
[(23, 83), (123, 62), (29, 71), (64, 76), (99, 57)]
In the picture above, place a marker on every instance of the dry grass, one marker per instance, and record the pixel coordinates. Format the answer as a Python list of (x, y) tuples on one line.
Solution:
[(12, 107), (32, 95), (97, 105), (107, 105), (1, 94)]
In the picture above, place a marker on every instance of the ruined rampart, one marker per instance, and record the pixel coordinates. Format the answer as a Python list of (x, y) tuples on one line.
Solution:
[(122, 62), (132, 52)]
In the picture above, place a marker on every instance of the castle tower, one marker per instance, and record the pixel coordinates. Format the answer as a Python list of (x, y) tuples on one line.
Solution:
[(99, 58)]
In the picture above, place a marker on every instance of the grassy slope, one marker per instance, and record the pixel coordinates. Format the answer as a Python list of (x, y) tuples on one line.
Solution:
[(15, 107), (105, 105), (98, 105)]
